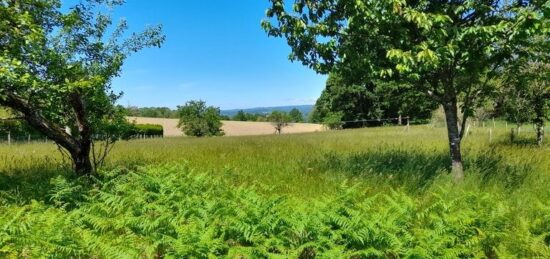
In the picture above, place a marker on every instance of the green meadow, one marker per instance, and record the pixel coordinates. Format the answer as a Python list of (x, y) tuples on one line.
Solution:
[(365, 193)]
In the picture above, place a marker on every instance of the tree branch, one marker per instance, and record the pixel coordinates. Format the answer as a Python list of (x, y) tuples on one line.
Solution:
[(36, 120)]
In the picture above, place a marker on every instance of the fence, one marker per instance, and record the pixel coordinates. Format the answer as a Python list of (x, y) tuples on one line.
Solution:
[(8, 138), (402, 121)]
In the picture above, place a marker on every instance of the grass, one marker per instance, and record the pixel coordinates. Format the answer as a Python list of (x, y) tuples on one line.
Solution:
[(377, 192)]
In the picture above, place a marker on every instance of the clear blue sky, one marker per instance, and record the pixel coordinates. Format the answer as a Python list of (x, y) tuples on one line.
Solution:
[(215, 51)]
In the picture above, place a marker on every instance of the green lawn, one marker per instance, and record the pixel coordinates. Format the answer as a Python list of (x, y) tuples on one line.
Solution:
[(376, 192)]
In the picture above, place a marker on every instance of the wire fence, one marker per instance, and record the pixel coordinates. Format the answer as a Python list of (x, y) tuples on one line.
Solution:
[(8, 138)]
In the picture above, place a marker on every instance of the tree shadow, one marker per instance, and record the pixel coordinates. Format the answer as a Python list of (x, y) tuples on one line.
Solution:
[(417, 170), (33, 183)]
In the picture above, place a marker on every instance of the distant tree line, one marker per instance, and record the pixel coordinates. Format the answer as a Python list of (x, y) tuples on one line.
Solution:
[(293, 115), (345, 102), (151, 112)]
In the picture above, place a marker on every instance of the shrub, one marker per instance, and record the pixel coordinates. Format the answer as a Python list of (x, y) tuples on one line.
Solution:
[(148, 129)]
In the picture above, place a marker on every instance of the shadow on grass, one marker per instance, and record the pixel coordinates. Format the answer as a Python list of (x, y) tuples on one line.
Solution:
[(417, 170), (33, 183)]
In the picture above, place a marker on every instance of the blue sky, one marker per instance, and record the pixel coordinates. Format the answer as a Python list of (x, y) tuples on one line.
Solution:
[(215, 51)]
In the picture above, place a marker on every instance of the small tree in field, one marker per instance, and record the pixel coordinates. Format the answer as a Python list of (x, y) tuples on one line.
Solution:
[(199, 120), (447, 50), (526, 91), (56, 69), (296, 115), (279, 120)]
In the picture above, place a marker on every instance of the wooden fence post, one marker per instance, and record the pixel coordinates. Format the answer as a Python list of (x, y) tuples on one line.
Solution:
[(29, 138), (9, 137)]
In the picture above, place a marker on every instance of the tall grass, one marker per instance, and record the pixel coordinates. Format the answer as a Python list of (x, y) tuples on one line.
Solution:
[(382, 192)]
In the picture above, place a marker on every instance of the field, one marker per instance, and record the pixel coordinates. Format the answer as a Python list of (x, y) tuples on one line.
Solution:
[(366, 193), (232, 128)]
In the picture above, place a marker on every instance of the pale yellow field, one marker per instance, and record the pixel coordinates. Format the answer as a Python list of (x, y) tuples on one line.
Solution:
[(232, 128)]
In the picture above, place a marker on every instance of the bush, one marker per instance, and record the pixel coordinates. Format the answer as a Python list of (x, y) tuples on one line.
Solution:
[(333, 120), (148, 129)]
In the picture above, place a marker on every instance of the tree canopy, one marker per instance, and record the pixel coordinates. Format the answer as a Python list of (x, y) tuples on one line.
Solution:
[(199, 120), (447, 50), (56, 68)]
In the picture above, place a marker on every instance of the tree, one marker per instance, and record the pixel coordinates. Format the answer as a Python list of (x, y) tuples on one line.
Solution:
[(56, 68), (240, 116), (370, 101), (279, 120), (295, 115), (526, 92), (199, 120), (447, 50)]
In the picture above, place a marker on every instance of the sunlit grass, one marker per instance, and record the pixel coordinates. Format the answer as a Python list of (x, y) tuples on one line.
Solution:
[(365, 192)]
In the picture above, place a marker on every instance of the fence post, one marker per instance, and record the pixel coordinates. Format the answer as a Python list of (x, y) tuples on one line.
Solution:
[(408, 123), (29, 138), (494, 123), (9, 137)]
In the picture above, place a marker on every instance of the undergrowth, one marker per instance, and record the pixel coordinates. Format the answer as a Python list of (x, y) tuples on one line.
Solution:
[(372, 193), (172, 211)]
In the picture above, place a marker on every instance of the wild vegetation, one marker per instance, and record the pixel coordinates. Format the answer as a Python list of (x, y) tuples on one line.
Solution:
[(446, 50), (386, 192), (377, 192)]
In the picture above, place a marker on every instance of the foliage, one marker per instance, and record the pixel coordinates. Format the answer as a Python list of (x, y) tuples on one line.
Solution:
[(279, 120), (198, 120), (151, 112), (246, 116), (525, 86), (445, 49), (56, 68), (370, 101), (148, 130), (333, 120), (174, 211), (295, 115)]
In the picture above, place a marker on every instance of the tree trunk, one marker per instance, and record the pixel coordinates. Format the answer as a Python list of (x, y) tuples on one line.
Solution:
[(82, 165), (539, 125), (539, 119), (79, 146), (451, 117)]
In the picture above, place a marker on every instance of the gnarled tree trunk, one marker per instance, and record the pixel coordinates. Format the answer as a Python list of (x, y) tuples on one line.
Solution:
[(78, 146)]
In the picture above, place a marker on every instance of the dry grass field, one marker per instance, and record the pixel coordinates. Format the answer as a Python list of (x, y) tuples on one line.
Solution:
[(232, 128)]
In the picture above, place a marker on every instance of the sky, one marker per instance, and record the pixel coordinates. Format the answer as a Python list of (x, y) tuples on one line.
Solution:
[(214, 51)]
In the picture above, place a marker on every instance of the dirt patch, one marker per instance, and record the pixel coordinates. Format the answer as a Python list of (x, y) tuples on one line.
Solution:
[(232, 128)]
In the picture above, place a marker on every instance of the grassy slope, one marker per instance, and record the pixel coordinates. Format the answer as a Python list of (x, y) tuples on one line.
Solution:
[(506, 184)]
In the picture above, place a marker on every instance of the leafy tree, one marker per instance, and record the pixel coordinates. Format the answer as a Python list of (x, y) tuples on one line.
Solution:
[(447, 50), (296, 115), (526, 93), (56, 68), (199, 120), (240, 116), (279, 120), (370, 101), (351, 101)]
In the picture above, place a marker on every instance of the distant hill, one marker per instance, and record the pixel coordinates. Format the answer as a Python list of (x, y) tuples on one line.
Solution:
[(305, 109)]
